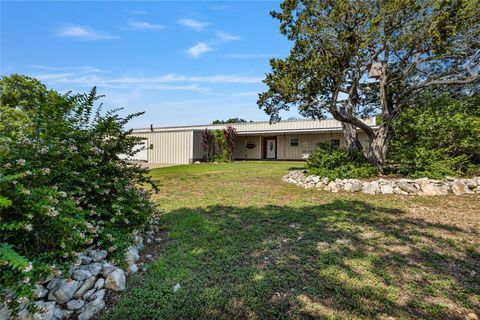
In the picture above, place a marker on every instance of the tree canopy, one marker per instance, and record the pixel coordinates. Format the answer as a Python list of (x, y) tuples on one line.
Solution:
[(231, 120), (414, 44)]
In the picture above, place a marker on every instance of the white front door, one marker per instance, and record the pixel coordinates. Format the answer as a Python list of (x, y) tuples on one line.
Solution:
[(271, 148)]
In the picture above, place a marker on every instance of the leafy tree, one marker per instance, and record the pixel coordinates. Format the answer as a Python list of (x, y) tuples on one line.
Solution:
[(26, 105), (411, 45), (439, 136), (230, 134), (207, 143), (231, 120)]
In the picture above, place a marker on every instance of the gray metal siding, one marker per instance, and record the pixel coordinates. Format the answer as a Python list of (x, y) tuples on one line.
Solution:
[(169, 147)]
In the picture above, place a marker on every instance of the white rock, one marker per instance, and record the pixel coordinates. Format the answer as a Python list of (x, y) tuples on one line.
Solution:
[(84, 287), (99, 284), (98, 255), (91, 309), (459, 188), (47, 311), (432, 190), (132, 256), (406, 186), (75, 304), (133, 268), (83, 259), (139, 242), (115, 280), (371, 187), (81, 275), (63, 291), (40, 292), (176, 287), (100, 294), (93, 268), (386, 189), (89, 293)]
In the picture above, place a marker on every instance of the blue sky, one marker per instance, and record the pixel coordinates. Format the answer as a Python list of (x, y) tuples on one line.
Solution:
[(182, 62)]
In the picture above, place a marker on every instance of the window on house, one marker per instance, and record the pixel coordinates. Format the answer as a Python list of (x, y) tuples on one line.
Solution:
[(335, 142), (294, 142), (151, 146)]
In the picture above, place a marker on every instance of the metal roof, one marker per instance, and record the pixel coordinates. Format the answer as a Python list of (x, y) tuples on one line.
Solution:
[(262, 126)]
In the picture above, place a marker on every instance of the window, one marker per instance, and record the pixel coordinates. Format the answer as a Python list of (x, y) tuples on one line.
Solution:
[(335, 142), (151, 146), (294, 142)]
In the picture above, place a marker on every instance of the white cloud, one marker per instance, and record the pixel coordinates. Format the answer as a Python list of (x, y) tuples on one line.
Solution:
[(84, 33), (164, 82), (199, 49), (247, 56), (82, 69), (193, 24), (142, 25), (226, 36)]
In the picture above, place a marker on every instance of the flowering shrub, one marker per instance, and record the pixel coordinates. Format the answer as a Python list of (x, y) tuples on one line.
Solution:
[(63, 187)]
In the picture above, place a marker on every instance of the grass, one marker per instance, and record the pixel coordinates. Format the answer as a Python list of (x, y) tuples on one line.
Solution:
[(244, 245)]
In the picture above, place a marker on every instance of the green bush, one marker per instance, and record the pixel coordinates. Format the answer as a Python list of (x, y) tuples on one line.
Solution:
[(64, 187), (333, 162), (438, 137), (221, 147)]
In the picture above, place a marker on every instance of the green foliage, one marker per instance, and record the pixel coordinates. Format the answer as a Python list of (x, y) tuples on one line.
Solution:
[(64, 187), (231, 120), (221, 150), (419, 44), (438, 137), (332, 162)]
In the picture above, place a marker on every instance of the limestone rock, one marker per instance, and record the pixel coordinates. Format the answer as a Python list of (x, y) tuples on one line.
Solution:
[(84, 287), (91, 309), (63, 291), (75, 304), (93, 268), (132, 256), (371, 187), (431, 190), (139, 242), (89, 293), (386, 189), (40, 292), (459, 188), (47, 311), (471, 316), (98, 255), (83, 259), (133, 268), (99, 284), (81, 275), (115, 280), (100, 294), (407, 187)]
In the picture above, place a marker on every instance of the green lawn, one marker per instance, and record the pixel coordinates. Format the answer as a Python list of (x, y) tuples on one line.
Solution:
[(244, 245)]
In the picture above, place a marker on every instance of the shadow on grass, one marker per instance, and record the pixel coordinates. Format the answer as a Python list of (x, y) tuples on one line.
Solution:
[(345, 260)]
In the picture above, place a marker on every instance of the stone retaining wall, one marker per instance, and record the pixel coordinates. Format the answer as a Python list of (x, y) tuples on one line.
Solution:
[(417, 187), (81, 294)]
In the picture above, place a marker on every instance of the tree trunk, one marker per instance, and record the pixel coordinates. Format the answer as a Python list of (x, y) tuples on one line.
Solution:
[(378, 146), (351, 137)]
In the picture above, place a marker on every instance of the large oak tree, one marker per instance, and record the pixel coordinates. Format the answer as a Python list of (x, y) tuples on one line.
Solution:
[(411, 45)]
